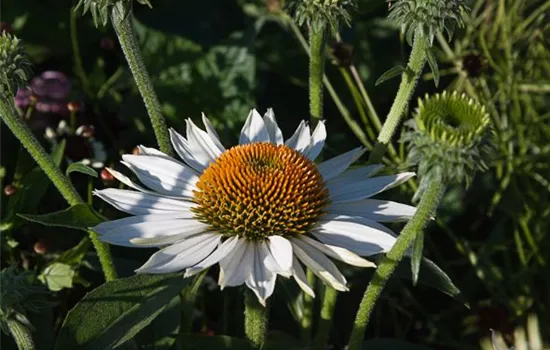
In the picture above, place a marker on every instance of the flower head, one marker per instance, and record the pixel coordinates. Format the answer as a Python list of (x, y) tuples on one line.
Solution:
[(15, 67), (259, 209)]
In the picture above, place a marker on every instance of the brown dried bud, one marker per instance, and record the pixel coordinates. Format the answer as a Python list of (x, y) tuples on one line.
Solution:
[(5, 27), (10, 190), (136, 151), (74, 106), (40, 247), (273, 6), (342, 53), (86, 131), (106, 175), (473, 64)]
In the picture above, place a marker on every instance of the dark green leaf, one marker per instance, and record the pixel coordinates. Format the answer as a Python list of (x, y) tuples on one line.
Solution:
[(391, 344), (416, 258), (75, 255), (81, 168), (79, 216), (389, 74), (433, 65), (162, 333), (218, 342), (116, 311)]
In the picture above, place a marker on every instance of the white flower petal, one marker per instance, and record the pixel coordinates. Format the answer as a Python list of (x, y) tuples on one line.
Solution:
[(281, 250), (212, 133), (317, 140), (353, 176), (182, 147), (124, 231), (163, 175), (200, 143), (300, 277), (374, 209), (355, 191), (223, 250), (275, 134), (301, 139), (338, 253), (149, 151), (261, 280), (319, 264), (235, 267), (254, 129), (181, 255), (361, 236), (191, 228), (335, 166), (138, 203)]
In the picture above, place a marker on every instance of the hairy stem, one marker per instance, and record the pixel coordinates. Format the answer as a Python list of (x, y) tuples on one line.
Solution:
[(128, 42), (424, 212), (317, 43), (325, 322), (417, 59), (255, 319), (305, 321), (21, 334), (60, 181)]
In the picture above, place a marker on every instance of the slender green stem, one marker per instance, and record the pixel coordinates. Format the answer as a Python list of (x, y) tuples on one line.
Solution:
[(21, 334), (317, 47), (417, 59), (305, 321), (255, 319), (128, 42), (325, 322), (424, 212), (78, 65), (60, 181)]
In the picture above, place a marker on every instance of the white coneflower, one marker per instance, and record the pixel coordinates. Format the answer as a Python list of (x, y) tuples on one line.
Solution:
[(259, 209)]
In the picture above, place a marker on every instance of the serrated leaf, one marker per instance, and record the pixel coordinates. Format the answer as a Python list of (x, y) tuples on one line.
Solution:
[(393, 344), (79, 216), (430, 57), (81, 168), (416, 258), (57, 276), (116, 311), (389, 74)]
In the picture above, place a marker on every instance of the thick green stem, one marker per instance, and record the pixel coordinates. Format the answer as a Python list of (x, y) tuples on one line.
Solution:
[(317, 43), (305, 321), (255, 319), (417, 59), (128, 42), (424, 212), (21, 334), (60, 181), (325, 322)]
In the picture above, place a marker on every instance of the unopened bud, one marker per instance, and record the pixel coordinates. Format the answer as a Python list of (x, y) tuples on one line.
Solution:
[(136, 151), (74, 106), (10, 190), (86, 131), (106, 175), (40, 247)]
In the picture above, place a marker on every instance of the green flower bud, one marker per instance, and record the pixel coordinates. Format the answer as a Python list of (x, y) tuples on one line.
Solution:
[(101, 9), (449, 139), (427, 17), (15, 68), (321, 14)]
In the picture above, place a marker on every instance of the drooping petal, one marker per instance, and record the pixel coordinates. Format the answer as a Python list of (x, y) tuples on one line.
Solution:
[(319, 264), (374, 209), (212, 133), (275, 134), (281, 250), (162, 175), (235, 268), (223, 250), (338, 253), (139, 203), (317, 141), (353, 176), (192, 227), (301, 139), (201, 143), (337, 165), (181, 255), (124, 231), (300, 277), (261, 280), (361, 236), (198, 162), (254, 129), (355, 191)]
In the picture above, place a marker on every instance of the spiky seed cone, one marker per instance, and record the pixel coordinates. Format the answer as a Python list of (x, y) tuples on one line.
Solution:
[(100, 9), (320, 14), (449, 139), (15, 68)]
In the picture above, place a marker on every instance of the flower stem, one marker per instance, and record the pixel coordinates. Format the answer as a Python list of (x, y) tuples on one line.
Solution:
[(305, 321), (128, 42), (21, 334), (424, 212), (60, 181), (410, 76), (255, 319), (317, 43), (325, 323)]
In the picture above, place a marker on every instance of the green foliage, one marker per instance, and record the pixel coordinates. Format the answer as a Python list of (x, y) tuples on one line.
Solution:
[(15, 67), (79, 217), (81, 168), (57, 276)]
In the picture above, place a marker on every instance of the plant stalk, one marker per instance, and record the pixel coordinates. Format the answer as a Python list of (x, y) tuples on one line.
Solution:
[(255, 319), (317, 47), (417, 59), (128, 42), (424, 212), (60, 181), (325, 322), (21, 334)]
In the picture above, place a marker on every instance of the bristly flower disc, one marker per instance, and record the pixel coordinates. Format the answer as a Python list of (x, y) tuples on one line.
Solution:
[(259, 210)]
